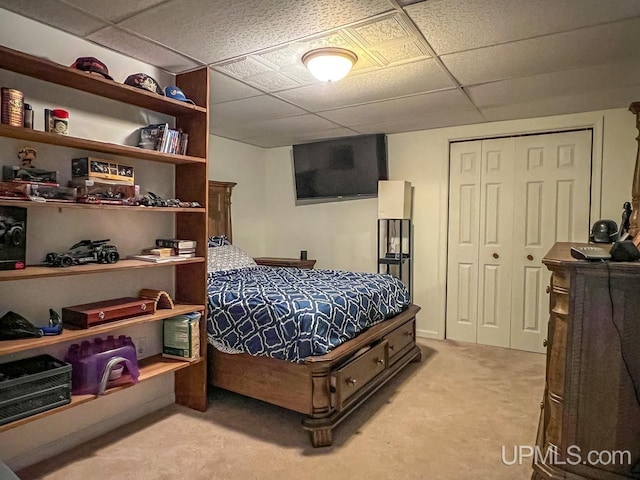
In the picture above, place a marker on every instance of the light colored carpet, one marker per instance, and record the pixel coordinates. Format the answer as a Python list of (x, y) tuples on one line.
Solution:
[(445, 418)]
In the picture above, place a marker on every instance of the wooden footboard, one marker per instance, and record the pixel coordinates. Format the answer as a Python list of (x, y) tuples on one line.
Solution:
[(327, 388)]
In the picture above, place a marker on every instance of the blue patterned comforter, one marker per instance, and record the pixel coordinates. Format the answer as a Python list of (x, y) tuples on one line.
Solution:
[(290, 314)]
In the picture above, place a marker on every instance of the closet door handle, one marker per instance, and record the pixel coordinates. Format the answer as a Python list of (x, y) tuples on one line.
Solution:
[(495, 255)]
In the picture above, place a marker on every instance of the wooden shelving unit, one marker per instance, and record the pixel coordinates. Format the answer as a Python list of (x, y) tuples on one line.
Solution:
[(149, 368), (14, 346), (95, 146), (91, 206), (190, 173), (45, 271)]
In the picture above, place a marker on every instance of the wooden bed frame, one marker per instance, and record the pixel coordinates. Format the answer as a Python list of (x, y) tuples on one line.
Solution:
[(326, 388)]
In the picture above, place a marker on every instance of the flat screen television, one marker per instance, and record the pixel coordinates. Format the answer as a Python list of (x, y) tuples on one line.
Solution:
[(339, 169)]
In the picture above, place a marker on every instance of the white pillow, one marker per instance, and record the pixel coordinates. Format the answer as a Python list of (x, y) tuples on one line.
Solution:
[(228, 257)]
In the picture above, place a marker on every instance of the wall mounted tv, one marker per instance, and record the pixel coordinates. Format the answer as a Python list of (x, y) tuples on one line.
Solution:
[(339, 169)]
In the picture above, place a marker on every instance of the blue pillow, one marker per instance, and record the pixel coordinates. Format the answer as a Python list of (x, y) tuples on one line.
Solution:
[(218, 241)]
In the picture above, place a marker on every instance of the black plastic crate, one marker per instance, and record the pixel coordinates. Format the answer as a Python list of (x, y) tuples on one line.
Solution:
[(33, 385)]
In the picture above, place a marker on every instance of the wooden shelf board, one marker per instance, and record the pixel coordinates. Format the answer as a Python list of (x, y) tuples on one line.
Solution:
[(149, 367), (95, 146), (29, 203), (49, 71), (67, 335), (44, 271)]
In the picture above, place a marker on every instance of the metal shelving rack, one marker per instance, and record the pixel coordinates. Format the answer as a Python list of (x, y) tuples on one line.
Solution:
[(388, 229)]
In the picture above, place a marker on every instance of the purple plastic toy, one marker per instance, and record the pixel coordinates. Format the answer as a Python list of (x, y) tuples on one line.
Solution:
[(102, 364)]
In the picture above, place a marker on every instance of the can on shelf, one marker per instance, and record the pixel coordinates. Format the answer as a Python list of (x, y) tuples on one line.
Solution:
[(12, 110), (60, 121)]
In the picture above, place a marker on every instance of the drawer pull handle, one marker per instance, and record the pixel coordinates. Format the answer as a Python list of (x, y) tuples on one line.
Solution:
[(409, 333), (101, 315), (380, 361), (390, 347), (351, 381), (143, 306)]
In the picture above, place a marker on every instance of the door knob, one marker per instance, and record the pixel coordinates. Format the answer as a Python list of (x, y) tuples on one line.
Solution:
[(529, 257), (495, 255)]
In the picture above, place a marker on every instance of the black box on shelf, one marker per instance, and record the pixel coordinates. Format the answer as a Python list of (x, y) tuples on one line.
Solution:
[(29, 175), (33, 385), (13, 238)]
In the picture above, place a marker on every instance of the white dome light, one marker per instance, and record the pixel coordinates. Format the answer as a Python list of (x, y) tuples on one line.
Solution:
[(329, 64)]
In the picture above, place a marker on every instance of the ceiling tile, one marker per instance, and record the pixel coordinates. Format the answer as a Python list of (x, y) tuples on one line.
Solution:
[(284, 140), (224, 89), (149, 52), (400, 108), (590, 46), (113, 10), (384, 41), (289, 125), (549, 85), (463, 117), (228, 29), (584, 102), (457, 25), (387, 83), (251, 109), (56, 14)]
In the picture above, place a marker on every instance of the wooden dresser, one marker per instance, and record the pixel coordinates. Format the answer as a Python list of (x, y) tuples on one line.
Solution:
[(589, 401)]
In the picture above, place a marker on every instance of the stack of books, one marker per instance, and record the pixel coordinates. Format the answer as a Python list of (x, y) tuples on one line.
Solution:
[(161, 138), (168, 250), (180, 248)]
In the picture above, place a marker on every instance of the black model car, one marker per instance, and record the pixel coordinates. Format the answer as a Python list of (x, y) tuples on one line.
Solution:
[(85, 251)]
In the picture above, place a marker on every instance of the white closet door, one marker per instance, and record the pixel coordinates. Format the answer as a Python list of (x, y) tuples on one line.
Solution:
[(495, 243), (464, 222), (552, 198)]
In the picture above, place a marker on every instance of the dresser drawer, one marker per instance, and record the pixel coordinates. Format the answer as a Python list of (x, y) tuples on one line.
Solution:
[(399, 339), (355, 375)]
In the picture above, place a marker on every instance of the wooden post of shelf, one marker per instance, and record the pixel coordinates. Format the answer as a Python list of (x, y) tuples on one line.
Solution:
[(634, 221)]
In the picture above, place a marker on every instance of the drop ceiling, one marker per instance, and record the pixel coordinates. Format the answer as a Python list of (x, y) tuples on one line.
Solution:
[(421, 64)]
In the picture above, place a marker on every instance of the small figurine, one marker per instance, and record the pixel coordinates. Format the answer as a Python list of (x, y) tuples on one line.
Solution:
[(27, 155)]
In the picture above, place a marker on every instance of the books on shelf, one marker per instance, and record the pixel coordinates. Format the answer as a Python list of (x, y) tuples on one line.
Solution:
[(158, 258), (176, 243), (163, 139)]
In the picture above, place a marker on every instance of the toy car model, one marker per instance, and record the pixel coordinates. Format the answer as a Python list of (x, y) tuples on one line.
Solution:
[(85, 251), (11, 231)]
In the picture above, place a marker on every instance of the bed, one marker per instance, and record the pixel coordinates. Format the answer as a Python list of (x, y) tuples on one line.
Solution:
[(325, 377)]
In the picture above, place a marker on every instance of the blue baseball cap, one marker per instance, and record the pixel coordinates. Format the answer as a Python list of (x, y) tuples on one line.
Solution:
[(175, 93)]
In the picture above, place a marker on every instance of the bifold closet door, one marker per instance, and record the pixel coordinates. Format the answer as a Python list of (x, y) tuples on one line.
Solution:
[(480, 229), (464, 228), (510, 200), (552, 199)]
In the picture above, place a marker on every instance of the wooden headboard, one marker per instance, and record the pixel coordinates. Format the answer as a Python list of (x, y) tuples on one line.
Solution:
[(219, 221)]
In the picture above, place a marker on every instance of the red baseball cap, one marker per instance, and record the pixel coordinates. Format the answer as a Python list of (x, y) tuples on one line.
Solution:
[(92, 64)]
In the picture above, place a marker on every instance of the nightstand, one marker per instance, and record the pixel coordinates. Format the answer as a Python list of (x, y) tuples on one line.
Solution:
[(285, 262)]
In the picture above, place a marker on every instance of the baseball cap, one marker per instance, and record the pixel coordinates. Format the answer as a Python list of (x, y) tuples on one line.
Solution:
[(175, 93), (144, 81), (91, 64)]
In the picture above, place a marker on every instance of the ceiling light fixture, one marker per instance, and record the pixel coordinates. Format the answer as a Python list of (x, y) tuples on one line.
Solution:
[(329, 64)]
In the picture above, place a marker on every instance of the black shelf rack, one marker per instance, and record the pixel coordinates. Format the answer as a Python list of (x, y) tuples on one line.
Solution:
[(400, 264)]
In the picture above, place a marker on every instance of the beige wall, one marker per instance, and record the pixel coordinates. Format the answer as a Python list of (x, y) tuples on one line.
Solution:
[(232, 161), (341, 235)]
